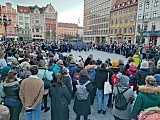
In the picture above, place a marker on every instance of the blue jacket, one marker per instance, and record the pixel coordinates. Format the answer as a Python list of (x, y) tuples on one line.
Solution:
[(157, 77), (56, 70), (72, 69)]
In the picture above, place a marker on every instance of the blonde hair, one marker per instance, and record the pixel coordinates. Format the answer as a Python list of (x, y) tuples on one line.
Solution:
[(151, 80), (4, 113), (11, 76), (2, 54)]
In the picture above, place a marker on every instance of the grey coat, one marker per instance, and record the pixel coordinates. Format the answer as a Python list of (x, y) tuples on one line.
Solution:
[(60, 99), (124, 114)]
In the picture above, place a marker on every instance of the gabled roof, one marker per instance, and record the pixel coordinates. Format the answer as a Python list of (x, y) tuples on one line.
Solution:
[(23, 9), (123, 3), (67, 25)]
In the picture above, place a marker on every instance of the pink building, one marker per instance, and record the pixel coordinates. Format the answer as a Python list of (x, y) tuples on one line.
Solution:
[(10, 14)]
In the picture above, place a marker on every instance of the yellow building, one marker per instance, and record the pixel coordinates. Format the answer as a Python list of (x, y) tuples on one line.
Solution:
[(123, 21), (1, 32)]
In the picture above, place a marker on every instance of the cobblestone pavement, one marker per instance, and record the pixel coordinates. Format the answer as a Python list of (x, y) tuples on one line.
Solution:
[(94, 108)]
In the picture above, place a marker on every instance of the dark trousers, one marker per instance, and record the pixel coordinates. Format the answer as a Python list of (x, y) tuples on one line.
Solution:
[(116, 118), (93, 93), (14, 112), (45, 100), (85, 117), (74, 83)]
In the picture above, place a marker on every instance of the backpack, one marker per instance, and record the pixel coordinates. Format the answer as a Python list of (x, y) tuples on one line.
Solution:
[(92, 74), (76, 75), (120, 100), (132, 78), (115, 79), (82, 93)]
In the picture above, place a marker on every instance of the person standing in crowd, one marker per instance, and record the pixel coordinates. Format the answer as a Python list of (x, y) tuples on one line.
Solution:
[(60, 99), (148, 96), (31, 94), (82, 107), (90, 57), (72, 67), (92, 68), (152, 66), (157, 75), (128, 62), (143, 72), (100, 78), (4, 113), (2, 60), (42, 72), (123, 85), (25, 72), (137, 60), (121, 66), (67, 79), (11, 99)]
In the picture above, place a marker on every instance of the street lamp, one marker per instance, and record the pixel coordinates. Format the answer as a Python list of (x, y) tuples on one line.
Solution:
[(5, 22), (17, 28), (143, 29)]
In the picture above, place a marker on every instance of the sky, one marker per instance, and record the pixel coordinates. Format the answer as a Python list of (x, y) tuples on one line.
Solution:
[(69, 11)]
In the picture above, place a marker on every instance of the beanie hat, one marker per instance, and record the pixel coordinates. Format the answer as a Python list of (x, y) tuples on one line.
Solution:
[(81, 64), (144, 64), (115, 64), (5, 70), (60, 63), (123, 80)]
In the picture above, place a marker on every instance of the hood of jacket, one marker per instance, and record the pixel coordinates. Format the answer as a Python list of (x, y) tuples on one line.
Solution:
[(90, 67), (133, 69), (150, 91), (135, 56), (10, 84)]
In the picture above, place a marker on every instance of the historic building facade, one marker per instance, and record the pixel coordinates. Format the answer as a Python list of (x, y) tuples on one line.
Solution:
[(96, 20), (50, 22), (148, 22), (123, 21), (10, 14), (23, 28), (1, 33), (67, 31)]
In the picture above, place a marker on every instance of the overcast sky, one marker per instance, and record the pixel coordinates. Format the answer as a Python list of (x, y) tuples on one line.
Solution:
[(69, 11)]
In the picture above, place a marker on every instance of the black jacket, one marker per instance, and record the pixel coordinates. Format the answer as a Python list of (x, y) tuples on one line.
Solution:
[(141, 75), (11, 90), (101, 77)]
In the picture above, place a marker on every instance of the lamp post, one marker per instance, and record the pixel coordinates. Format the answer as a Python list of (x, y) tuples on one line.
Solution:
[(5, 22), (17, 28), (143, 29)]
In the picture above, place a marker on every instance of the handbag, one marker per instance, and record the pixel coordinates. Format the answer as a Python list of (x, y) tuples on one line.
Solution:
[(47, 83), (107, 86)]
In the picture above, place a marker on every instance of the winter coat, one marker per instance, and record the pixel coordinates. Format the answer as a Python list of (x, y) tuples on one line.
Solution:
[(137, 60), (157, 77), (41, 72), (87, 61), (11, 90), (122, 68), (72, 69), (129, 95), (60, 99), (101, 77), (152, 113), (148, 96), (131, 71), (141, 75), (56, 69), (82, 107), (68, 83)]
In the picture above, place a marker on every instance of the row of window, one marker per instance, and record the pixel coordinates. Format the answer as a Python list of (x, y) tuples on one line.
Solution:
[(122, 30), (100, 20), (125, 20), (124, 3), (148, 4), (147, 15), (96, 32), (93, 3)]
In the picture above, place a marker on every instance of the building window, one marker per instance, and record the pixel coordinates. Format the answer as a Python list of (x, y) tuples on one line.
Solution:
[(116, 21), (37, 29), (121, 20), (153, 26), (132, 9), (130, 29), (112, 21), (147, 15), (156, 3), (32, 29), (127, 10), (147, 4), (140, 6), (120, 30), (132, 18), (155, 14), (125, 30), (115, 31), (126, 20), (139, 17)]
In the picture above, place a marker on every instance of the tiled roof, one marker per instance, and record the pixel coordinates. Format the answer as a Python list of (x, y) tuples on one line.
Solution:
[(67, 25), (123, 3), (23, 9)]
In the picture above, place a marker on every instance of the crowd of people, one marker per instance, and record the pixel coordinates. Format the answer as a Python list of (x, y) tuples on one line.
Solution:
[(32, 73)]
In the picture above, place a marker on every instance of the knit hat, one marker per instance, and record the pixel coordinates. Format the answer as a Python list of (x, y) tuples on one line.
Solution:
[(144, 64), (5, 70), (123, 80), (60, 63), (115, 64), (81, 64)]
